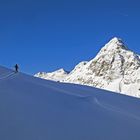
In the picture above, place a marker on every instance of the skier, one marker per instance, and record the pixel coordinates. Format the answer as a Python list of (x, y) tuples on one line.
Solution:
[(16, 68)]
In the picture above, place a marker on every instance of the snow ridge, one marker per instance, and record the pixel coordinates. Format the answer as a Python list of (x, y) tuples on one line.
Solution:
[(57, 75), (115, 68)]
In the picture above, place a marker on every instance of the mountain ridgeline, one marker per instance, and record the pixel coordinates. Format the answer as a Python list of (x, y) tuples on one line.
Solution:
[(115, 68)]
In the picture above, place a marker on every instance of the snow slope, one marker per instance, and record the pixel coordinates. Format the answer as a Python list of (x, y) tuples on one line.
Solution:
[(36, 109), (115, 68)]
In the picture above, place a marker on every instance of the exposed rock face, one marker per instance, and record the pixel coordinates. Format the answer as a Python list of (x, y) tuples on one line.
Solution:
[(115, 68)]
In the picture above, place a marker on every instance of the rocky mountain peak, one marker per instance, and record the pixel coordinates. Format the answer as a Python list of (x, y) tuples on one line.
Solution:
[(114, 60), (115, 68), (115, 45)]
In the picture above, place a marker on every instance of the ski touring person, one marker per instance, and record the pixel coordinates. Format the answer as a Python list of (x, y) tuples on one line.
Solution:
[(16, 68)]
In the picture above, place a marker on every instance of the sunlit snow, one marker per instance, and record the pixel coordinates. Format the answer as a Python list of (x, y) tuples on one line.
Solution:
[(36, 109)]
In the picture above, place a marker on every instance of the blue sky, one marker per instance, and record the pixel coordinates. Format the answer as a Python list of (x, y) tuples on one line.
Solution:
[(47, 35)]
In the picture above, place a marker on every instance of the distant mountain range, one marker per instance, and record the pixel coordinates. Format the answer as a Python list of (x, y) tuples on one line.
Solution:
[(115, 68)]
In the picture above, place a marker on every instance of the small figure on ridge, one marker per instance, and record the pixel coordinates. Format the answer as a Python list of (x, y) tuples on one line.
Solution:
[(16, 68)]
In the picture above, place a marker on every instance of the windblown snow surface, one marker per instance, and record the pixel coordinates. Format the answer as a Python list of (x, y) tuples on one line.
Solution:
[(37, 109)]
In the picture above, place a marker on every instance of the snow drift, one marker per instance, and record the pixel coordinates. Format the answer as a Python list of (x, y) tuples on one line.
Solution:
[(36, 109)]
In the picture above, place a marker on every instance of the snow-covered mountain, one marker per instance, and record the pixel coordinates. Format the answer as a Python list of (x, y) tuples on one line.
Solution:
[(36, 109), (57, 75), (115, 68)]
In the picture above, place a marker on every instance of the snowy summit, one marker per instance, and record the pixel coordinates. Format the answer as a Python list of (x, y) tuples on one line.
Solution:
[(115, 68)]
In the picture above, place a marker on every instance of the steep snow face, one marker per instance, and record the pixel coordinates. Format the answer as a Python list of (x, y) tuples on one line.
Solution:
[(58, 75), (76, 71), (36, 109), (115, 68)]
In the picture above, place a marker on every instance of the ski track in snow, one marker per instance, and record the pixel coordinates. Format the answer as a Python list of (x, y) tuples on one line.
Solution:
[(58, 89), (8, 75), (96, 101), (115, 109)]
